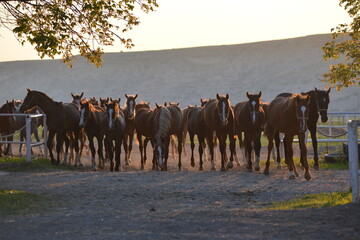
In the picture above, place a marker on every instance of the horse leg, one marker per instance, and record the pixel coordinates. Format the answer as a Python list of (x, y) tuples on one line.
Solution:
[(257, 148), (118, 142), (179, 138), (312, 130), (277, 145), (248, 146), (201, 151), (211, 149), (172, 140), (110, 152), (50, 145), (93, 152), (67, 143), (270, 148), (232, 150), (222, 145), (76, 146), (125, 143), (288, 140), (141, 149), (22, 137), (303, 150), (59, 144), (146, 140), (100, 151), (192, 144), (131, 138)]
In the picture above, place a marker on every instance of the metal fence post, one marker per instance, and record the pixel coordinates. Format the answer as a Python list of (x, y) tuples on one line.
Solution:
[(45, 137), (28, 138), (353, 159)]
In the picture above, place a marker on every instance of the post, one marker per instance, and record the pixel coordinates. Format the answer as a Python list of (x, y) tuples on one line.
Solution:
[(353, 156), (28, 138), (45, 137)]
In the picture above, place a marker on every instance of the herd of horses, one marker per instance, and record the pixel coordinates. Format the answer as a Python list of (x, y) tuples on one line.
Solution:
[(214, 120)]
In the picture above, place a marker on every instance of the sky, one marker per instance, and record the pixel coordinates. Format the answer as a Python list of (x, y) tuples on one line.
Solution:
[(191, 23)]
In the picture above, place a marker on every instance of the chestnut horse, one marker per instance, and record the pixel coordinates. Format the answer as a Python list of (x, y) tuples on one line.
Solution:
[(129, 113), (288, 115), (166, 122), (90, 120), (61, 118), (6, 122), (250, 119), (217, 116), (319, 103), (114, 127)]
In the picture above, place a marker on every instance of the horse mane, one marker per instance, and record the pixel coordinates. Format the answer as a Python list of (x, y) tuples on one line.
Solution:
[(43, 94), (291, 100), (164, 123), (91, 106)]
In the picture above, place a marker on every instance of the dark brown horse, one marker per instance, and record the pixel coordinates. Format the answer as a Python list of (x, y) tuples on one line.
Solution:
[(90, 120), (167, 122), (288, 115), (6, 123), (143, 127), (319, 103), (250, 119), (129, 113), (77, 98), (114, 127), (217, 116), (61, 118)]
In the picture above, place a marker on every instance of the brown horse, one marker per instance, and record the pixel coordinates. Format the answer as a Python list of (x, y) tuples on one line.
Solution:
[(167, 121), (288, 115), (114, 127), (6, 122), (319, 103), (129, 113), (143, 127), (90, 120), (77, 98), (250, 119), (217, 116), (61, 118)]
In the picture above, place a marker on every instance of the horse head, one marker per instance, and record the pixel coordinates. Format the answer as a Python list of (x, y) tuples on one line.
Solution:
[(112, 112), (130, 104), (254, 106), (84, 111), (30, 101), (77, 98), (223, 108), (203, 102), (302, 103), (322, 103)]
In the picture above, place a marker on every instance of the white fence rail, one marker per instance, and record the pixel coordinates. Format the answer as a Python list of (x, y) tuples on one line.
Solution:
[(28, 142), (352, 126)]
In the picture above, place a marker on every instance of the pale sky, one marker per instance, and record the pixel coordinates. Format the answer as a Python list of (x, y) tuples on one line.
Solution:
[(191, 23)]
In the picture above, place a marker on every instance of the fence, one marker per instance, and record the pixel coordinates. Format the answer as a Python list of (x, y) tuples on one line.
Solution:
[(28, 142)]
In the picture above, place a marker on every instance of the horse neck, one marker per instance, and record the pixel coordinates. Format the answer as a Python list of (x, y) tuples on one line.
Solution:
[(163, 123), (46, 104)]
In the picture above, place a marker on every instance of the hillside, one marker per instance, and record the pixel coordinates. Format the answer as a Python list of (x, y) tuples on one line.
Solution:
[(185, 75)]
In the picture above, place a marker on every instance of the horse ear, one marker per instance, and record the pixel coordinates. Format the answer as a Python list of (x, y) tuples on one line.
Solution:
[(227, 96), (316, 90), (119, 100), (28, 89), (259, 94), (135, 96), (157, 106), (328, 91), (111, 99), (72, 95), (201, 100), (81, 95), (217, 96), (165, 104), (126, 95), (248, 95)]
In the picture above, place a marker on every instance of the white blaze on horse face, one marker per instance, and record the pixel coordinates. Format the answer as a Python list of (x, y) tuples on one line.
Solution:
[(111, 124), (253, 103), (223, 115), (160, 159), (82, 113), (131, 109), (303, 109)]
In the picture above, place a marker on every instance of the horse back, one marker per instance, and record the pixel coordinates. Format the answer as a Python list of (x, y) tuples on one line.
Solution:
[(176, 119), (193, 119)]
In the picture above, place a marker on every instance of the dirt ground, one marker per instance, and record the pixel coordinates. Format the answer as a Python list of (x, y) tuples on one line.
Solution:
[(187, 204)]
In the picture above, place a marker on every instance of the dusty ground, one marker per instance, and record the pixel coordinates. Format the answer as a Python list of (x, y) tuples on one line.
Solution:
[(136, 204)]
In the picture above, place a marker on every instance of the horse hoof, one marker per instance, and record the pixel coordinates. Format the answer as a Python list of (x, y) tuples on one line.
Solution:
[(257, 169), (223, 169), (317, 168), (266, 171), (278, 167), (193, 164), (307, 176), (292, 177), (230, 165), (201, 169), (213, 169)]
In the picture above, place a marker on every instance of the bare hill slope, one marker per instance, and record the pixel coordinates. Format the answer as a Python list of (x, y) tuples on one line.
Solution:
[(185, 75)]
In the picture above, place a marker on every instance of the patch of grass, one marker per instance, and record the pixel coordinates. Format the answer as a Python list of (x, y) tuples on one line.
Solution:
[(314, 201), (19, 202), (16, 164)]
